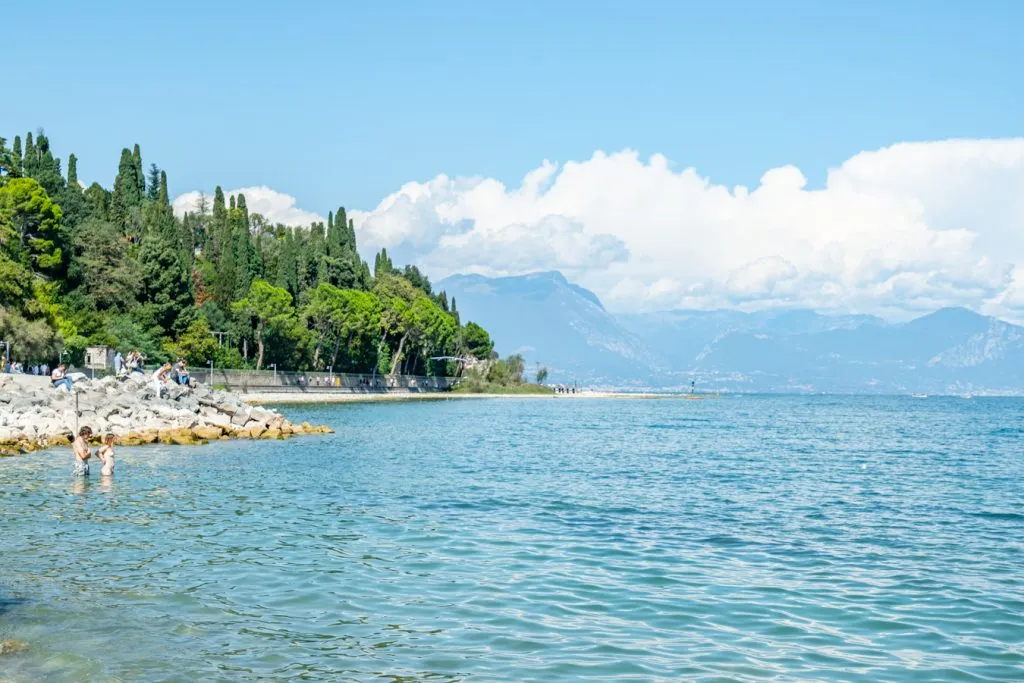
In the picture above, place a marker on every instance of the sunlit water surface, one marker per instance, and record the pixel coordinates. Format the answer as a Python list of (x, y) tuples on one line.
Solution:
[(742, 538)]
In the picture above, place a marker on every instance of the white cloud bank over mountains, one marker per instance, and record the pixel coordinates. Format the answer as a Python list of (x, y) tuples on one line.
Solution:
[(900, 230)]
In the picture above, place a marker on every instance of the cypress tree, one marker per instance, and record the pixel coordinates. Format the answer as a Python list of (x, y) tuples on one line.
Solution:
[(244, 209), (29, 161), (212, 248), (167, 285), (73, 172), (287, 264), (153, 191), (140, 176), (315, 257), (46, 168), (241, 246), (365, 277), (126, 198), (17, 156)]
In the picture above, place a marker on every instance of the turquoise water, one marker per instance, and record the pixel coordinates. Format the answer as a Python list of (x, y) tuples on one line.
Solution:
[(744, 538)]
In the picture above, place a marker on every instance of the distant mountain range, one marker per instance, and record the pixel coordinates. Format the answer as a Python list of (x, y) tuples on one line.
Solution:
[(566, 328)]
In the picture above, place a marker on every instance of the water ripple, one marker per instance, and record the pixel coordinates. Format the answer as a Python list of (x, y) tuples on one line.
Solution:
[(745, 539)]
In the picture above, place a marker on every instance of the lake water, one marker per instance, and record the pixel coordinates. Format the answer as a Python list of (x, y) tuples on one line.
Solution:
[(741, 538)]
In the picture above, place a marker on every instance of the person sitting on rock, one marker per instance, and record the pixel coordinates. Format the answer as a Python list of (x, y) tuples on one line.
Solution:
[(161, 376), (183, 376), (80, 448), (59, 378), (105, 453)]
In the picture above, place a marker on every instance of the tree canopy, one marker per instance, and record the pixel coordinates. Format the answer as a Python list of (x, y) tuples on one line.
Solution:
[(82, 264)]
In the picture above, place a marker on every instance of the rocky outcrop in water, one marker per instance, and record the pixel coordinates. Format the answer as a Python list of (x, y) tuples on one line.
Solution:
[(33, 415)]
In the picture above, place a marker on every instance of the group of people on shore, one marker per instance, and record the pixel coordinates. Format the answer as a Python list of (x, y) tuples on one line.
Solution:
[(134, 362), (80, 449), (13, 367)]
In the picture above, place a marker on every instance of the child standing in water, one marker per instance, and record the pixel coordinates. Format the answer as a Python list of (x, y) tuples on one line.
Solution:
[(81, 450), (106, 455)]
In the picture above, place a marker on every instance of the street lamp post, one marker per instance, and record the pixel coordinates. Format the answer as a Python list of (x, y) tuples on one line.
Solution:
[(274, 365)]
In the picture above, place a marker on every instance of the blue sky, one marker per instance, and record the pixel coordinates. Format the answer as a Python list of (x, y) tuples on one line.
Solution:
[(342, 103)]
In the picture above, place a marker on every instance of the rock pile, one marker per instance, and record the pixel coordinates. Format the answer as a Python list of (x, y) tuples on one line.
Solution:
[(33, 415)]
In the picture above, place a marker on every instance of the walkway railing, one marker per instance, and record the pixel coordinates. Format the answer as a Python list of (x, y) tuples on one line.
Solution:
[(271, 380), (267, 381)]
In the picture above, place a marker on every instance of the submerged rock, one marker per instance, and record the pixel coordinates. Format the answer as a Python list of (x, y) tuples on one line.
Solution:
[(9, 646)]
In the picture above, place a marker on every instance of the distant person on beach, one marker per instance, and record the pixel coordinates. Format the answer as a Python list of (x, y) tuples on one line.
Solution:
[(59, 378), (105, 453), (80, 448), (118, 363)]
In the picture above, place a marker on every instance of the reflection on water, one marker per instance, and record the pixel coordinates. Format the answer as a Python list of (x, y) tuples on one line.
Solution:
[(743, 538)]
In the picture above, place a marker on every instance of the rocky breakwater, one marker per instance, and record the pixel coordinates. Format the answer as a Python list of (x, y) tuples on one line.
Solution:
[(34, 416)]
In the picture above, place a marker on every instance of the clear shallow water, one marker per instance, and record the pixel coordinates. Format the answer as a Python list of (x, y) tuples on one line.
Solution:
[(745, 538)]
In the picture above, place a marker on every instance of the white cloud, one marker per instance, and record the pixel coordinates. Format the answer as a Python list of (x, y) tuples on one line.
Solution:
[(275, 206), (894, 231), (903, 229)]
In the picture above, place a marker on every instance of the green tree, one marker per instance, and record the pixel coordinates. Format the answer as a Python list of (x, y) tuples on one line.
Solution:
[(9, 161), (196, 344), (73, 172), (165, 276), (475, 341), (104, 267), (35, 219), (541, 374), (153, 186), (126, 199), (287, 264), (270, 306), (140, 176)]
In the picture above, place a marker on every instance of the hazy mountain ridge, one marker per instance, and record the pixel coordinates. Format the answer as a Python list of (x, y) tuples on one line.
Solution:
[(564, 326)]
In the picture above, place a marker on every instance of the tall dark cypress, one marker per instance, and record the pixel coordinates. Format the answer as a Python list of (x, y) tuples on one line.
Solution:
[(17, 156), (73, 172), (29, 161), (242, 248), (126, 198), (153, 189), (140, 176), (219, 217)]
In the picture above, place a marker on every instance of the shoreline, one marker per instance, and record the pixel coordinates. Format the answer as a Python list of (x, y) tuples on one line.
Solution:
[(35, 416), (294, 397)]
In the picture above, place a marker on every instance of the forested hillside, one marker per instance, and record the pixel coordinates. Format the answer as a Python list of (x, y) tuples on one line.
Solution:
[(86, 265)]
